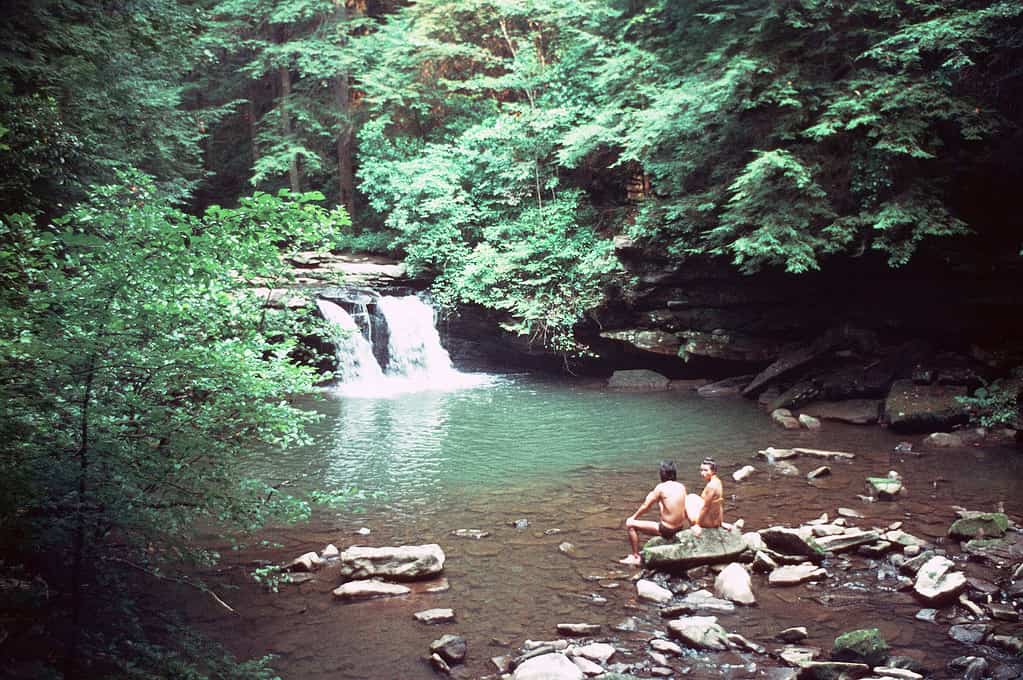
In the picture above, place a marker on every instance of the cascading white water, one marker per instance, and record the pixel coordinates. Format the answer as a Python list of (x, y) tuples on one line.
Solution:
[(355, 360), (416, 360), (414, 345)]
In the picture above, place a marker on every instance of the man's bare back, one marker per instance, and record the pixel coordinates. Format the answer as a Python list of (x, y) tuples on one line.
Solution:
[(671, 498)]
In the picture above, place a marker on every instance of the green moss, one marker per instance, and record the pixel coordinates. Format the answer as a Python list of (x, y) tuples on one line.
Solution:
[(991, 524), (866, 645)]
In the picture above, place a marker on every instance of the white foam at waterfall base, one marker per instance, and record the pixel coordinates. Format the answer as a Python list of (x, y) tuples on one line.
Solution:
[(417, 360)]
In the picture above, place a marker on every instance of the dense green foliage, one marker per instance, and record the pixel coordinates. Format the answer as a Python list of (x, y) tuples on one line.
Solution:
[(138, 375)]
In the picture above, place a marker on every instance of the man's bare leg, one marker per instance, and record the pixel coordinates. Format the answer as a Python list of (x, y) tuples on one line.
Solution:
[(635, 527)]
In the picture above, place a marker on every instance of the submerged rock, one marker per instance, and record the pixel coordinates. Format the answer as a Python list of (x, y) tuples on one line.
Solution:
[(832, 670), (793, 542), (865, 646), (451, 648), (855, 411), (640, 379), (924, 408), (360, 590), (743, 473), (699, 632), (794, 574), (404, 563), (688, 550), (980, 525), (552, 666)]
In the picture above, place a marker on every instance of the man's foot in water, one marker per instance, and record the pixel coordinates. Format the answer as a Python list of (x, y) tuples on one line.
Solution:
[(631, 561)]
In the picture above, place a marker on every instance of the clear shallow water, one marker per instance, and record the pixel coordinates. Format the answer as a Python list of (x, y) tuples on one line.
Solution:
[(404, 449), (575, 460)]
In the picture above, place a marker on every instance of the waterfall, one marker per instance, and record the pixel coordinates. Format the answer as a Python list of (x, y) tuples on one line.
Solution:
[(355, 360), (406, 344)]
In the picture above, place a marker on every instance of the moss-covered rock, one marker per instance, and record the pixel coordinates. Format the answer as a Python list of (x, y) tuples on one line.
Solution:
[(980, 525), (687, 550), (866, 645)]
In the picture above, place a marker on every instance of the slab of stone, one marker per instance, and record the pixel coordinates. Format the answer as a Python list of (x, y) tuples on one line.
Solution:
[(809, 422), (475, 534), (997, 551), (451, 648), (699, 632), (588, 667), (743, 473), (665, 647), (822, 471), (942, 440), (650, 591), (739, 642), (734, 583), (431, 616), (980, 525), (866, 646), (797, 656), (794, 634), (371, 588), (763, 563), (795, 574), (937, 581), (729, 387), (711, 546), (578, 629), (552, 666), (698, 602), (876, 549), (601, 652), (640, 379), (308, 562), (832, 670), (824, 453), (772, 454), (924, 408), (403, 563), (850, 513), (855, 411), (847, 541), (884, 488), (1002, 612), (793, 542), (969, 633), (902, 538)]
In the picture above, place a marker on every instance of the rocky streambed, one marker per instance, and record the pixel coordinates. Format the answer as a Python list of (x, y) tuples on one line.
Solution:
[(524, 583)]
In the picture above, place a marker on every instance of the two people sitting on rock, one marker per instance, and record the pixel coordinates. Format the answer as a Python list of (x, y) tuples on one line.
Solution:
[(677, 508)]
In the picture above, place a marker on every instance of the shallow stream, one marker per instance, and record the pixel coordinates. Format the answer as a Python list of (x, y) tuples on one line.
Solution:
[(574, 460)]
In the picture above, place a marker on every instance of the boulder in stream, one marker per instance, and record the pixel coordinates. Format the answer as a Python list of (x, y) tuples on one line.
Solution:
[(699, 632), (980, 525), (688, 550), (924, 408), (402, 563), (866, 646), (936, 582), (451, 648), (793, 542), (734, 583), (361, 590), (639, 379), (553, 666)]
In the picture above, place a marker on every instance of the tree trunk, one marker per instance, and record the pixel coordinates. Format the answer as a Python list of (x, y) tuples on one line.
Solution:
[(293, 170), (342, 98), (284, 77)]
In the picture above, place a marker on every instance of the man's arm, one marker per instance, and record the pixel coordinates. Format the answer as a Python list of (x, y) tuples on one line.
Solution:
[(651, 498)]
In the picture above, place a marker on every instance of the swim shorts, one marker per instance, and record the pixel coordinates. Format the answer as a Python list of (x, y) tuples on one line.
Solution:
[(666, 532)]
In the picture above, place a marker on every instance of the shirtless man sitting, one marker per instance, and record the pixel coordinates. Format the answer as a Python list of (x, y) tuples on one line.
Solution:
[(670, 496)]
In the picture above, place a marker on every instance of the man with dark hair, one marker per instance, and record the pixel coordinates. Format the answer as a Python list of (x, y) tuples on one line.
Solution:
[(670, 497), (708, 510)]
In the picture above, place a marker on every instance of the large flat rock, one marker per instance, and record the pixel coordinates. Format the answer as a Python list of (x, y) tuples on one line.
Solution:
[(402, 563), (710, 547), (924, 408)]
